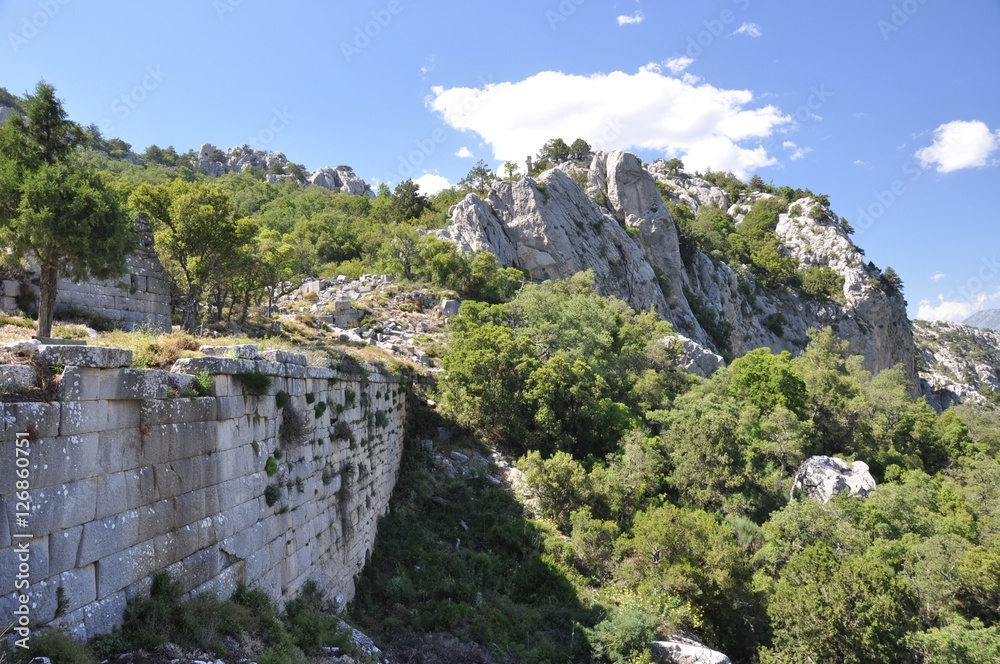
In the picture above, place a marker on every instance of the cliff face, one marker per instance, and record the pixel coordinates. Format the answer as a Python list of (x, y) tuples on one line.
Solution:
[(621, 228), (957, 362)]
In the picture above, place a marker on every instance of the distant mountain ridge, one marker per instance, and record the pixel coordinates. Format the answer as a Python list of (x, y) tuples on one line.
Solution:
[(987, 319)]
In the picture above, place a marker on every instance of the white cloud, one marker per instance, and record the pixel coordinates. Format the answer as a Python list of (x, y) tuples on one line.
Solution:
[(464, 153), (751, 30), (632, 19), (950, 310), (798, 153), (677, 65), (432, 183), (704, 125), (858, 162), (959, 145), (938, 277)]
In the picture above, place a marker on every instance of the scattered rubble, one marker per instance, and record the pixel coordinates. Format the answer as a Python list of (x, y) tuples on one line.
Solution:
[(373, 310)]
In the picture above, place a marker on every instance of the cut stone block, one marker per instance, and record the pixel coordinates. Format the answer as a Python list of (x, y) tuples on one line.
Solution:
[(83, 356), (241, 352)]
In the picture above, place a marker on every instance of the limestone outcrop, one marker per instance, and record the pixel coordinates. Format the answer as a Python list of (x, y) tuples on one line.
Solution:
[(215, 163), (823, 477), (679, 650), (958, 363), (612, 218)]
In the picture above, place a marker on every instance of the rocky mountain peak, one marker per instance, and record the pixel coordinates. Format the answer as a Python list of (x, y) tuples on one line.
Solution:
[(612, 217)]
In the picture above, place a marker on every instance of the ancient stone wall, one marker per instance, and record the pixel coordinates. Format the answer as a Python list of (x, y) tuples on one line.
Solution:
[(128, 475), (139, 298)]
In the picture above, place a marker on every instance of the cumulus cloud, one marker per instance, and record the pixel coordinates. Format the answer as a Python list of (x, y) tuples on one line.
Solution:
[(797, 152), (959, 145), (938, 277), (751, 30), (464, 153), (951, 310), (677, 65), (707, 127), (631, 19), (432, 183)]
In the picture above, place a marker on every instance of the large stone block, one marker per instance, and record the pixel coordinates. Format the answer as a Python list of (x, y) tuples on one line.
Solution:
[(156, 519), (213, 365), (26, 417), (64, 547), (84, 417), (124, 568), (65, 459), (79, 586), (170, 411), (135, 384), (283, 357), (17, 378), (57, 355), (241, 352), (102, 616), (107, 536), (112, 495)]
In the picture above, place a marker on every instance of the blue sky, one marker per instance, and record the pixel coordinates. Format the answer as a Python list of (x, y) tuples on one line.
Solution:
[(891, 107)]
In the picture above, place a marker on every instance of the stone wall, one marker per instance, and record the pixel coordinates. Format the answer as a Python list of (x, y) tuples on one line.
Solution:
[(128, 476), (139, 298)]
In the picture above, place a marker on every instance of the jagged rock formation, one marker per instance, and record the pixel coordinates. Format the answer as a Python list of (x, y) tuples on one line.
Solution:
[(342, 179), (552, 229), (622, 229), (987, 319), (822, 477), (957, 362), (214, 162)]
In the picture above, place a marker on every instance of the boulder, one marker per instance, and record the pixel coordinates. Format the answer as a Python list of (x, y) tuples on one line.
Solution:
[(686, 651), (822, 477), (450, 307), (695, 358)]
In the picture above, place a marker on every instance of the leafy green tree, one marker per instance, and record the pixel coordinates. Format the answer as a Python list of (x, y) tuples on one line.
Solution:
[(65, 217), (892, 282), (767, 381), (479, 179), (407, 202), (510, 170), (674, 166), (196, 235), (559, 483), (554, 151), (579, 150), (829, 609)]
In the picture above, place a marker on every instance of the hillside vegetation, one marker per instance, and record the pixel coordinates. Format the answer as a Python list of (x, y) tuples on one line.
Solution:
[(643, 502)]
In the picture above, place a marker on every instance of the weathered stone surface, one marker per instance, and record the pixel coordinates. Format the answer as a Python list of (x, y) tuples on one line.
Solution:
[(140, 482), (958, 363), (822, 477), (17, 378), (241, 352), (284, 357), (55, 355), (685, 651), (695, 358)]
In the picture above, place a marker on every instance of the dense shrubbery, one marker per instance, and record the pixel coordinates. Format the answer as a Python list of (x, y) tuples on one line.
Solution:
[(677, 517)]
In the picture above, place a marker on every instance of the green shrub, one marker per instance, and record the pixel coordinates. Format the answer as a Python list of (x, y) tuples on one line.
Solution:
[(272, 494), (282, 398), (381, 419), (349, 397), (204, 384), (623, 638), (343, 431), (320, 409), (310, 397), (59, 647), (255, 382), (271, 467)]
